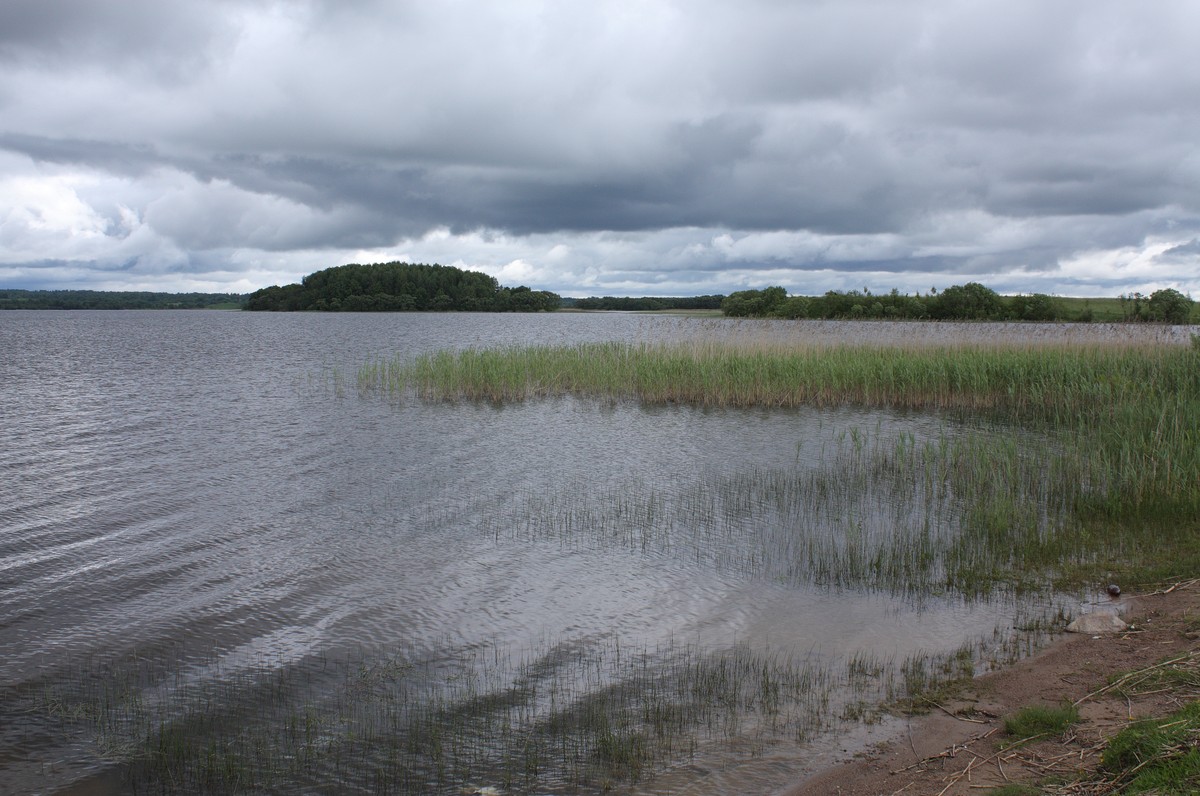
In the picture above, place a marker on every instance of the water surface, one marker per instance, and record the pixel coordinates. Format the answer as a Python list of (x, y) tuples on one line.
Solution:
[(205, 494)]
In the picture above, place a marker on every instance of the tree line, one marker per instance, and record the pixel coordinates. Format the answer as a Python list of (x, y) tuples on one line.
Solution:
[(400, 287), (971, 301), (651, 303), (115, 300)]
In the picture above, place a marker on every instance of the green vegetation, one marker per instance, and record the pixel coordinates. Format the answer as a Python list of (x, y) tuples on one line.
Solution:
[(404, 287), (971, 301), (1098, 310), (1157, 755), (1038, 720), (645, 303), (1084, 460), (400, 287), (929, 680), (116, 300), (1014, 789)]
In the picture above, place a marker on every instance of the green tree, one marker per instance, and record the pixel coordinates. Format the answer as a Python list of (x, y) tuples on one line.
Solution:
[(400, 287), (1170, 306), (793, 307), (971, 301), (754, 303), (276, 298), (1035, 307)]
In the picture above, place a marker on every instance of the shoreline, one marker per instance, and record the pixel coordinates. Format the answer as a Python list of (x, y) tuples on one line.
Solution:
[(960, 747)]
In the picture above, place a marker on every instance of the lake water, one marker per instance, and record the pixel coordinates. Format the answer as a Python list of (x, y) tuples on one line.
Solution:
[(192, 501)]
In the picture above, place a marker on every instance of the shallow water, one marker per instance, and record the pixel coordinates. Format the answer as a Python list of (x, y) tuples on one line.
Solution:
[(206, 495)]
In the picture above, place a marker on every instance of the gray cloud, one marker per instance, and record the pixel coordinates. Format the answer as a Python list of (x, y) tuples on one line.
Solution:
[(608, 147), (147, 40)]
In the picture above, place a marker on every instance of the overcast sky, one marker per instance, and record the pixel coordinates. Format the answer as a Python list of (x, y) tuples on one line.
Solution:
[(609, 147)]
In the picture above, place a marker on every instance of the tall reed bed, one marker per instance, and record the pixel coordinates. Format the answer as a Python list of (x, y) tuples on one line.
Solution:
[(1100, 471), (1044, 379)]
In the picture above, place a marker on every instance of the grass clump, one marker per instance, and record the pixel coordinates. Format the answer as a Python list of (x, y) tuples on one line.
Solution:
[(1036, 720), (1157, 755), (1015, 789)]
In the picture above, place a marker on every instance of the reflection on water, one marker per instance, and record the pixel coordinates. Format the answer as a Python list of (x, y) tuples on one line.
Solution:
[(198, 526)]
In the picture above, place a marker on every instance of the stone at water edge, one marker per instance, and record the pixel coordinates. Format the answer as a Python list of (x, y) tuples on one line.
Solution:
[(1098, 622)]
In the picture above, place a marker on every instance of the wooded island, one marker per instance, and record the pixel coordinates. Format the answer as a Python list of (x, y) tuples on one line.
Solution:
[(401, 287)]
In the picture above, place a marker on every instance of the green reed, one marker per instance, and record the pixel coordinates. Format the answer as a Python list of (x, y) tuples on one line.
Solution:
[(875, 511), (1050, 379), (1097, 467)]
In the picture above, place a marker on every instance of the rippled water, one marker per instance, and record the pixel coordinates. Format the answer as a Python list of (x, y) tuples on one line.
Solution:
[(204, 494)]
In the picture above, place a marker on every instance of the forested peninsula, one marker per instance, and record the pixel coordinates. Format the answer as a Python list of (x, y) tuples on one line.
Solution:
[(401, 287)]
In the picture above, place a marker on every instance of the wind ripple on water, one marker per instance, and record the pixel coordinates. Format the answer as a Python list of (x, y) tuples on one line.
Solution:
[(176, 493)]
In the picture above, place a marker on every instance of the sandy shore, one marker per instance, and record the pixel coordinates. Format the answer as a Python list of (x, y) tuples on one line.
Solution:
[(959, 747)]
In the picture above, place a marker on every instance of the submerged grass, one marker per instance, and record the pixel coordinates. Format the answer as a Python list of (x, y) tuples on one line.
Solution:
[(1058, 465), (1098, 477), (567, 717)]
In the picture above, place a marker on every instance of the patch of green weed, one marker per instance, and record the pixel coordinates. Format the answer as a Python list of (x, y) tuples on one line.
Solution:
[(1158, 755), (1015, 789), (1037, 720)]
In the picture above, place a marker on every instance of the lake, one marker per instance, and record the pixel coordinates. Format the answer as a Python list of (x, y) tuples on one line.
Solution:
[(208, 533)]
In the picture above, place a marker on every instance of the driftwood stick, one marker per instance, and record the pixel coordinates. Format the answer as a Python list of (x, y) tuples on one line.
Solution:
[(1140, 672), (950, 752)]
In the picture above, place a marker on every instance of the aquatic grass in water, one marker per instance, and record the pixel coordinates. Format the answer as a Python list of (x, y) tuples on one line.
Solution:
[(870, 510), (566, 717), (773, 374), (570, 717), (1111, 483), (1055, 465)]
